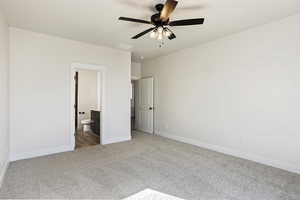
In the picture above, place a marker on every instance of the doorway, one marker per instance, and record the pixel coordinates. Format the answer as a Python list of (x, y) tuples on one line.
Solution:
[(143, 105), (87, 100), (87, 109)]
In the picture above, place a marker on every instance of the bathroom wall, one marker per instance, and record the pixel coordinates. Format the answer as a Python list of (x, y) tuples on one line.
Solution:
[(88, 94)]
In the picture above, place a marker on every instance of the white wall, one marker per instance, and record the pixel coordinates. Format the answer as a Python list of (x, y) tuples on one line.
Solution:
[(4, 96), (40, 79), (135, 70), (239, 94), (88, 93)]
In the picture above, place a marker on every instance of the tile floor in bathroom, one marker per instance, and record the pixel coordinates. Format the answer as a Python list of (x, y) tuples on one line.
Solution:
[(86, 139)]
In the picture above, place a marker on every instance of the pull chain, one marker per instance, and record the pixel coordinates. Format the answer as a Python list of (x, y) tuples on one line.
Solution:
[(161, 44)]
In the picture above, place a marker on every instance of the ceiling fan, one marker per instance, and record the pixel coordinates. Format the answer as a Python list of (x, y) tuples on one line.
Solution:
[(161, 21)]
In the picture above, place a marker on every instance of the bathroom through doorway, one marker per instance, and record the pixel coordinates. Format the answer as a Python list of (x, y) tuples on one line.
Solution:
[(88, 98)]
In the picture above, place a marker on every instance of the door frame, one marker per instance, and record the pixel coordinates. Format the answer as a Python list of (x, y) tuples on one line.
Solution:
[(153, 96), (76, 100), (101, 85)]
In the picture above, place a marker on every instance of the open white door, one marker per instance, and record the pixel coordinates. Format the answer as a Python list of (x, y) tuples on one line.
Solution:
[(144, 105)]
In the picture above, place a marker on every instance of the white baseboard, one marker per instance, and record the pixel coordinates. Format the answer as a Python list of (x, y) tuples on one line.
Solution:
[(115, 140), (60, 149), (41, 152), (273, 163), (3, 170)]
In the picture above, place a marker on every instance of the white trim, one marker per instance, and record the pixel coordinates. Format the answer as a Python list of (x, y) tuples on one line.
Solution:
[(116, 140), (3, 170), (99, 90), (101, 86), (135, 78), (248, 156), (41, 152)]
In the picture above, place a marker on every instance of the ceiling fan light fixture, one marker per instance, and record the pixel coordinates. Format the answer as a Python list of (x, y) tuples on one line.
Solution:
[(160, 30), (160, 36), (161, 21), (167, 33), (153, 34)]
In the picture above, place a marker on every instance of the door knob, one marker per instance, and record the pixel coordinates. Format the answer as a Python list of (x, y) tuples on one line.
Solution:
[(150, 108)]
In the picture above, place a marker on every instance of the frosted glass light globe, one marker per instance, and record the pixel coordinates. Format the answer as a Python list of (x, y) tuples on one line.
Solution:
[(160, 30), (160, 36), (167, 33), (153, 34)]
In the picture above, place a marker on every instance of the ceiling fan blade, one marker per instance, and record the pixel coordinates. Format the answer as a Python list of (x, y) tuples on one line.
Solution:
[(134, 20), (143, 33), (172, 36), (187, 22), (169, 7)]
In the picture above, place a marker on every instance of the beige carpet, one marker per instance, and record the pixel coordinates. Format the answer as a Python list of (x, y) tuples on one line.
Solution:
[(121, 170)]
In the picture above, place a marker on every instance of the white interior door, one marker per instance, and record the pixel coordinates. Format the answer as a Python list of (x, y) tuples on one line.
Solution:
[(144, 105)]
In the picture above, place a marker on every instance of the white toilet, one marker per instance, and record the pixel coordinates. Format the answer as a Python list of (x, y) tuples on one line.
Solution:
[(86, 125)]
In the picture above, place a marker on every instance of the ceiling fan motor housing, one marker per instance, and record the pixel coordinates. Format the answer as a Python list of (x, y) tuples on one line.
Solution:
[(155, 19)]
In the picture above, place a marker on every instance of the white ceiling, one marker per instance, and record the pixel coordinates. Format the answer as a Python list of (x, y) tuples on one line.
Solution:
[(95, 21)]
